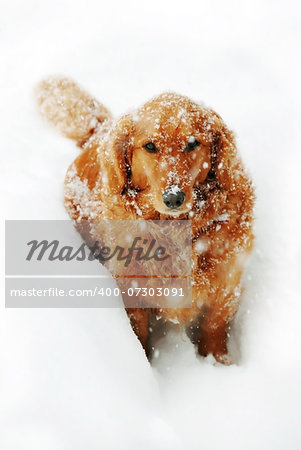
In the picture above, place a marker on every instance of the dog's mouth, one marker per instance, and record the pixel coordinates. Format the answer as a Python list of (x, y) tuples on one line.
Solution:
[(176, 212)]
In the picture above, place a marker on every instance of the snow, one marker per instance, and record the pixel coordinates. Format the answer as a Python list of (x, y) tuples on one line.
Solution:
[(174, 189), (78, 378)]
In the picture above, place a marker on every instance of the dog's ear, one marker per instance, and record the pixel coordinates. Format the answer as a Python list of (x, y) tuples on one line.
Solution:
[(117, 156), (226, 167)]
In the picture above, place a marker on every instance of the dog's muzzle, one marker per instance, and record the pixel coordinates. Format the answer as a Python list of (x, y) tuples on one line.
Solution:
[(173, 198)]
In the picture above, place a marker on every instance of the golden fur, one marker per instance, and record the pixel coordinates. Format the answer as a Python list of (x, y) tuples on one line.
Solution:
[(114, 177)]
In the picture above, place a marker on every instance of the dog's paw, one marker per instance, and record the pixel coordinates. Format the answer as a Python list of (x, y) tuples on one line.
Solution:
[(224, 359)]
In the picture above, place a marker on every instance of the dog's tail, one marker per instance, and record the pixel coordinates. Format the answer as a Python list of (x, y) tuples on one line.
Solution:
[(69, 108)]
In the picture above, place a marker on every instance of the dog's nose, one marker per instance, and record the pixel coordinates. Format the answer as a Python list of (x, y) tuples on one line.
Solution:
[(173, 198)]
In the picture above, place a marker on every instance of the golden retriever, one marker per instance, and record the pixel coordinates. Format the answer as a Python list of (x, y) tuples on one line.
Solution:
[(171, 158)]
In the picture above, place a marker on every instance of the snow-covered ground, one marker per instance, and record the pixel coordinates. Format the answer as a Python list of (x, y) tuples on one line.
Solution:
[(78, 379)]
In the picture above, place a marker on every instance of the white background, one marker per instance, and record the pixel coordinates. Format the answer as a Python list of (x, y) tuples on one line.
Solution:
[(78, 379)]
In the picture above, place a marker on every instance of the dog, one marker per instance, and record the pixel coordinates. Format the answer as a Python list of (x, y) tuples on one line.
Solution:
[(172, 158)]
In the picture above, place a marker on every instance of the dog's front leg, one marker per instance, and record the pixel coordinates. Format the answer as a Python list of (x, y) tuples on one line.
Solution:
[(139, 319), (210, 331), (212, 339)]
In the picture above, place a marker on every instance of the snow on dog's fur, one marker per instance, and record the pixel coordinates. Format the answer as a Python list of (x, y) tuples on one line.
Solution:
[(179, 148)]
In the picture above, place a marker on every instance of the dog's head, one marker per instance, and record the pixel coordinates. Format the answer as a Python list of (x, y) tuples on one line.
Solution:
[(168, 149)]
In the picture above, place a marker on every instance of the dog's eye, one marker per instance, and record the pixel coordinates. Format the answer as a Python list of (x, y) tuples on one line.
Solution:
[(150, 147), (192, 144)]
